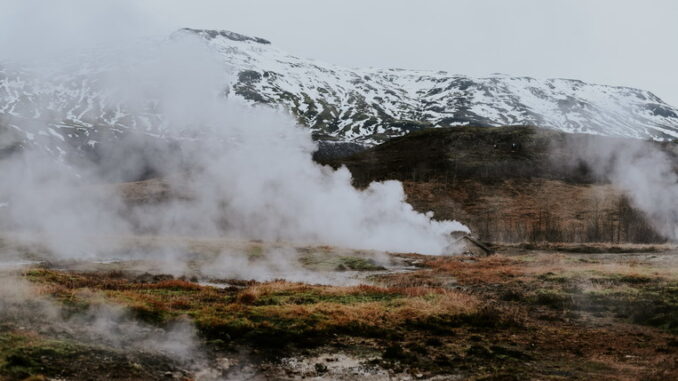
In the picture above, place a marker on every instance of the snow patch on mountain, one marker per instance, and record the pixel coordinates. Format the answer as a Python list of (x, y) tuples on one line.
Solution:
[(73, 109)]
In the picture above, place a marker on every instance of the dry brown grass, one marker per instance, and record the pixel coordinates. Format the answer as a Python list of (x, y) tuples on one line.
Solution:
[(281, 286), (377, 314), (495, 322), (493, 269), (277, 305), (500, 269)]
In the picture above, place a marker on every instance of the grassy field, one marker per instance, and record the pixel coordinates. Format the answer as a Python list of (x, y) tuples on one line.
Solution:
[(525, 313)]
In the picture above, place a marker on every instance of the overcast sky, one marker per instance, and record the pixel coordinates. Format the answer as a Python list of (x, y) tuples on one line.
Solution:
[(618, 42)]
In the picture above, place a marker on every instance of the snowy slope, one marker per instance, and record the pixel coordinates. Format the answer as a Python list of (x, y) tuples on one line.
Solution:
[(339, 104), (371, 104)]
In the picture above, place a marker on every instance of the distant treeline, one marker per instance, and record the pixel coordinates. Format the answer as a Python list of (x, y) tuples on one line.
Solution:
[(622, 224)]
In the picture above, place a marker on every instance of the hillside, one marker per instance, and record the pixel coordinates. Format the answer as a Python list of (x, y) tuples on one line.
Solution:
[(510, 184)]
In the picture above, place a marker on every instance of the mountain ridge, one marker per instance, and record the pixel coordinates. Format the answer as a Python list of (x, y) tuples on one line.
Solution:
[(361, 107), (372, 105)]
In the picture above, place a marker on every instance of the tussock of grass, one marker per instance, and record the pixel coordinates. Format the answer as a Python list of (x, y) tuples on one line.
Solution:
[(637, 292), (23, 356), (654, 305), (493, 269), (322, 258), (283, 309), (358, 264), (27, 355)]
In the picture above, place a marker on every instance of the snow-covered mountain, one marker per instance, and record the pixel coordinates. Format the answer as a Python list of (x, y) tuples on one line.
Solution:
[(371, 105), (364, 106)]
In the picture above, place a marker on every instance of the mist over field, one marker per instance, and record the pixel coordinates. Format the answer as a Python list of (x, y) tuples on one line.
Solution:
[(193, 203), (247, 173)]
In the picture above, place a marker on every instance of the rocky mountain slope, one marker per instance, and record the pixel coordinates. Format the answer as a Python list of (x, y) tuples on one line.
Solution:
[(361, 106)]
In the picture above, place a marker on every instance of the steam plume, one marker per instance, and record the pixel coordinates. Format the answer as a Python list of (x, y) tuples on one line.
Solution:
[(644, 170), (247, 172)]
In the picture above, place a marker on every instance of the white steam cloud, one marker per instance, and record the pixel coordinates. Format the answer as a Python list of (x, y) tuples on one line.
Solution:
[(645, 171), (100, 324), (233, 171), (245, 172)]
